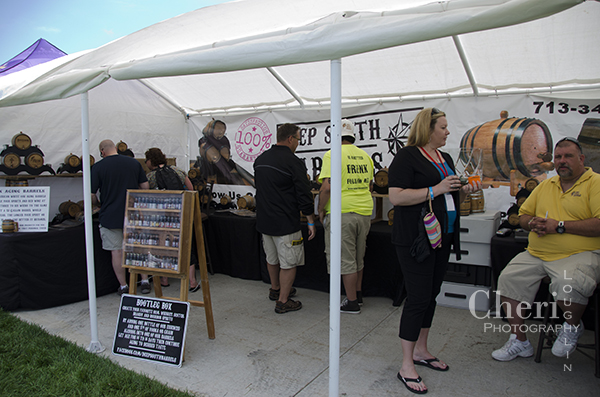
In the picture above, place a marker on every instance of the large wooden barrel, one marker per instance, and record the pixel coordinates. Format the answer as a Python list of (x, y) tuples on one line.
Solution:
[(589, 138), (510, 144), (11, 160), (21, 141), (246, 202), (69, 208)]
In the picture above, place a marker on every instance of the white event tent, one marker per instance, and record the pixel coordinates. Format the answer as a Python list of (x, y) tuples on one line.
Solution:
[(283, 55)]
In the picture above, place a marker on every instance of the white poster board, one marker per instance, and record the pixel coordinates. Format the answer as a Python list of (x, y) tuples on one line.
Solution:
[(27, 205)]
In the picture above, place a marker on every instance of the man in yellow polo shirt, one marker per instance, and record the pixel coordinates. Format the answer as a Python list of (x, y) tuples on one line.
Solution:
[(563, 217), (357, 207)]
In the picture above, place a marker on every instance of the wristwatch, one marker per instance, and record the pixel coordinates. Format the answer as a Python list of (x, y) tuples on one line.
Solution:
[(560, 229)]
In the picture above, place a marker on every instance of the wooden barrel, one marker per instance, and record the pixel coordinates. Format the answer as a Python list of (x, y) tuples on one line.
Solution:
[(92, 160), (81, 205), (510, 144), (69, 208), (34, 160), (225, 200), (246, 202), (477, 202), (513, 215), (9, 226), (193, 173), (11, 160), (16, 182), (589, 138), (390, 215), (522, 196), (381, 181), (72, 160), (21, 141), (465, 206), (121, 146)]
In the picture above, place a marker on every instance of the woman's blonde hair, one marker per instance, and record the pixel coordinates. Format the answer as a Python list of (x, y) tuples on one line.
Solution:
[(423, 125)]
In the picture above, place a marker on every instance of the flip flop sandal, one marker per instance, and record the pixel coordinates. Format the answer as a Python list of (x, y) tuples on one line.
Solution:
[(196, 288), (406, 380), (427, 363)]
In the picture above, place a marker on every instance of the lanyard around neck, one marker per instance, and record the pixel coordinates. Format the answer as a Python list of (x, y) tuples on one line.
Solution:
[(441, 167)]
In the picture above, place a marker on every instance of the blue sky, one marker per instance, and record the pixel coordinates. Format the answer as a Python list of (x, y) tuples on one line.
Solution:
[(76, 25)]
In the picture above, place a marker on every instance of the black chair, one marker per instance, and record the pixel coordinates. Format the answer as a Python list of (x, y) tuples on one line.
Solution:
[(549, 337)]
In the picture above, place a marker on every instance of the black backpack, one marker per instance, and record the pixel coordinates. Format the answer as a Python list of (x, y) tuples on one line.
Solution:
[(167, 178)]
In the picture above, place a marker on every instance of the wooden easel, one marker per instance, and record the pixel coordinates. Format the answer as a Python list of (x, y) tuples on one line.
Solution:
[(184, 254)]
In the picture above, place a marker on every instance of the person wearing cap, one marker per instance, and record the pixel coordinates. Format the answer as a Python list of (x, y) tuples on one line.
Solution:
[(357, 207), (282, 192), (562, 215)]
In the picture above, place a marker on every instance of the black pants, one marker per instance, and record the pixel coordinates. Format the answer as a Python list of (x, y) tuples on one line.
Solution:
[(422, 282)]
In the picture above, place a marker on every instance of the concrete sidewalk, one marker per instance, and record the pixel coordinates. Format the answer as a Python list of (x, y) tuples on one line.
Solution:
[(260, 353)]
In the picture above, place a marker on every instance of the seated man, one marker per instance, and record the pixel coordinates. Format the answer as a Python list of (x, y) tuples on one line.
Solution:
[(562, 215)]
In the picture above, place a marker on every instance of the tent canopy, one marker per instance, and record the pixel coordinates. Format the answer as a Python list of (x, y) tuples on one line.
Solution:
[(258, 54), (39, 52)]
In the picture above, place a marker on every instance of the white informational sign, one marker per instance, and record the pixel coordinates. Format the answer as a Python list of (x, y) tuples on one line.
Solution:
[(26, 205)]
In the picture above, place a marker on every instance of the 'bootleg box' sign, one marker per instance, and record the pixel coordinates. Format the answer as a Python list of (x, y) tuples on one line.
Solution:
[(151, 329)]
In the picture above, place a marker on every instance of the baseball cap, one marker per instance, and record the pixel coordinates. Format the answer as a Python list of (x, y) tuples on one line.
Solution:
[(347, 128)]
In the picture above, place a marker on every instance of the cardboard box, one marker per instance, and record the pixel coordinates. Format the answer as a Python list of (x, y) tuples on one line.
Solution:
[(461, 295)]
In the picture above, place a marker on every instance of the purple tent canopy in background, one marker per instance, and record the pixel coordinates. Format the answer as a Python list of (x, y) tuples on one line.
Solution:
[(39, 52)]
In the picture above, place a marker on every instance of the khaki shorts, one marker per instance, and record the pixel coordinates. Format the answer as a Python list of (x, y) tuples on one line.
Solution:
[(573, 279), (355, 229), (112, 239), (285, 251)]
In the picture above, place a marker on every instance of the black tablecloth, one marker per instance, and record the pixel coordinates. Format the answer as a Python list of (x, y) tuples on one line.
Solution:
[(48, 269), (235, 249)]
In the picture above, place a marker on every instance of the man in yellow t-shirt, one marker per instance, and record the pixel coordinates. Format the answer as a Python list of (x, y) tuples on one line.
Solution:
[(357, 207), (563, 217)]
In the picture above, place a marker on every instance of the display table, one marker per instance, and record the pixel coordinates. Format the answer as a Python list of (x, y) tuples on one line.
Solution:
[(235, 249), (48, 269)]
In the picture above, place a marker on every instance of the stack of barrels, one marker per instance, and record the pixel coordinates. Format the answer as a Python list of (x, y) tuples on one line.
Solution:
[(21, 147)]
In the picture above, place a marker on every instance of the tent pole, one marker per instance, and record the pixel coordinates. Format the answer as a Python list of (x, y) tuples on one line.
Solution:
[(95, 345), (336, 227)]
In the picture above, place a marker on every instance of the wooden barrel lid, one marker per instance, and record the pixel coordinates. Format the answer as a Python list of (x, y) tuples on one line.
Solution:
[(381, 177), (121, 146), (193, 173), (72, 160)]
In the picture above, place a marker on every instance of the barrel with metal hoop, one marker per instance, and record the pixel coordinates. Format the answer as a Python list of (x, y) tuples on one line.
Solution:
[(21, 141), (246, 202)]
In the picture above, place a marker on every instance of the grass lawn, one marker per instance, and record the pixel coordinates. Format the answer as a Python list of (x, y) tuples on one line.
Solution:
[(34, 363)]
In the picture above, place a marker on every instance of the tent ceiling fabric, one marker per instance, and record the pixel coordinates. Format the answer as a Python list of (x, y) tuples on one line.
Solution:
[(217, 57)]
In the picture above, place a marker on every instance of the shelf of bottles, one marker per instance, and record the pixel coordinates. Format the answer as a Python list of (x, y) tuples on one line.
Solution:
[(155, 223)]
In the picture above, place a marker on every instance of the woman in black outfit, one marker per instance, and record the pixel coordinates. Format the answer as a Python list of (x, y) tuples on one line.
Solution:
[(419, 171)]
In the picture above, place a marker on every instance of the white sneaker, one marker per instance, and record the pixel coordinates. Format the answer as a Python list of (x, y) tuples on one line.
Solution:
[(512, 349), (566, 341)]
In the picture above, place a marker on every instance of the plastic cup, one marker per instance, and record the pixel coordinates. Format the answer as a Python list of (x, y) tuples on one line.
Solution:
[(473, 179)]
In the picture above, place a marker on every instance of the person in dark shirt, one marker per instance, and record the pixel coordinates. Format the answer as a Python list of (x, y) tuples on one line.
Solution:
[(282, 191), (112, 176)]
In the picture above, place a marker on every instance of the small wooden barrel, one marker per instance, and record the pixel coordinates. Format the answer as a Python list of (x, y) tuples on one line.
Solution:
[(11, 160), (9, 226), (381, 181), (391, 217), (225, 200), (121, 146), (513, 215), (246, 202), (21, 141), (34, 160), (531, 184), (92, 160), (69, 208), (477, 202), (193, 173), (81, 205), (465, 206), (16, 182), (72, 160)]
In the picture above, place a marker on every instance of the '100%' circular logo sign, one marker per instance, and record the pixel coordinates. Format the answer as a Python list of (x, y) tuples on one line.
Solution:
[(252, 138)]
